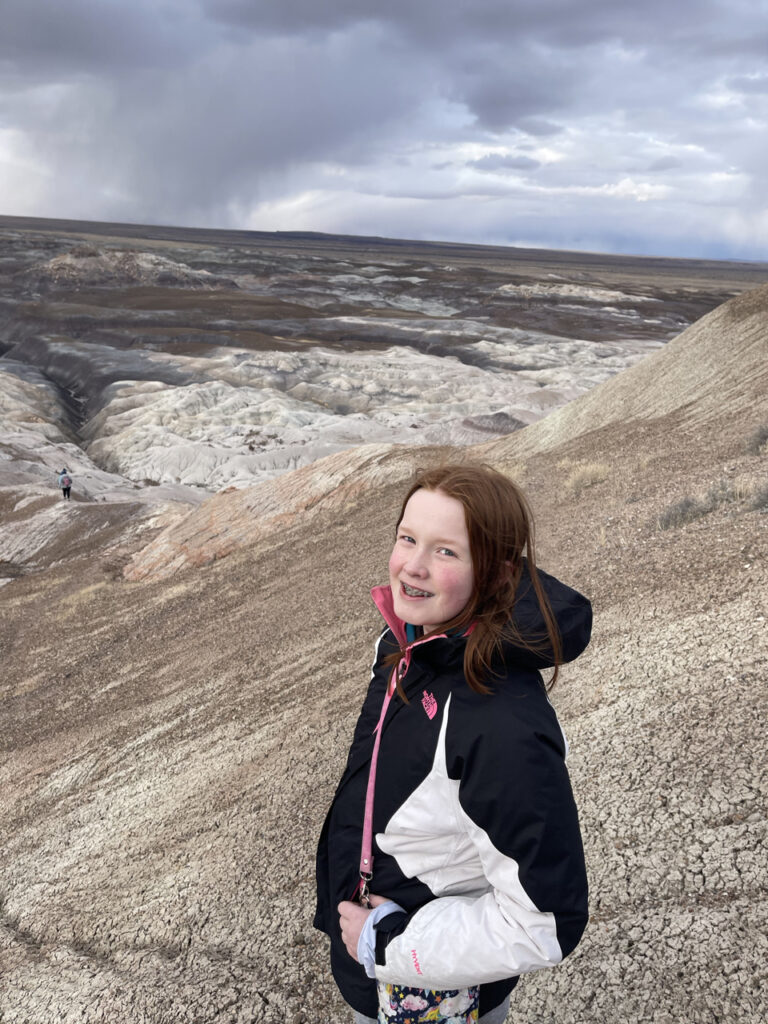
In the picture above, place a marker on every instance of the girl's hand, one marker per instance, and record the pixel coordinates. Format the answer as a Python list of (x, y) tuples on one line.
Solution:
[(352, 918)]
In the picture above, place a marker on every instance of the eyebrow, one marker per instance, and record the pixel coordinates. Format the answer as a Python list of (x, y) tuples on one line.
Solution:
[(447, 541)]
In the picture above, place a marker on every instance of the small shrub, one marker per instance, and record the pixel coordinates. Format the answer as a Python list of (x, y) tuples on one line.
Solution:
[(684, 511), (587, 476), (758, 441), (760, 498), (721, 492), (10, 570)]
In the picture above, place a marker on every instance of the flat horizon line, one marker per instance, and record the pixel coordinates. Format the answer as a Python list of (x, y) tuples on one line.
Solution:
[(171, 232)]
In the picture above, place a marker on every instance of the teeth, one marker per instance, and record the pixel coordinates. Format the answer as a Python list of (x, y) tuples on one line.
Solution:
[(413, 592)]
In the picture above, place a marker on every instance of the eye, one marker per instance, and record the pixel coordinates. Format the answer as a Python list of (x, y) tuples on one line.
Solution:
[(447, 551), (405, 537)]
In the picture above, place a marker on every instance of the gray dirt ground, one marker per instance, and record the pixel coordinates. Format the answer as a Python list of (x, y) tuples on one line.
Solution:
[(169, 748)]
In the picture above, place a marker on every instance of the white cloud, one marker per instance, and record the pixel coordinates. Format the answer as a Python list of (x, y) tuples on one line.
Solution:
[(642, 191)]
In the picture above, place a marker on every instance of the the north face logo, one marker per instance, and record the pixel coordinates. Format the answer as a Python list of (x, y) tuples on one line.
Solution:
[(429, 704)]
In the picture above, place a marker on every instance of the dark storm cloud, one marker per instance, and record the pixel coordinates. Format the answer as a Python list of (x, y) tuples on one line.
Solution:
[(233, 123), (297, 113), (508, 61), (48, 38), (559, 23), (501, 94)]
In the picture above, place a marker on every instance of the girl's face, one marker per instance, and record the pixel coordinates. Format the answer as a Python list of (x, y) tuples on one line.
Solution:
[(430, 569)]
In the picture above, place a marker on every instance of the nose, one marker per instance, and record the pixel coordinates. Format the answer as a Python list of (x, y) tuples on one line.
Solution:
[(415, 566)]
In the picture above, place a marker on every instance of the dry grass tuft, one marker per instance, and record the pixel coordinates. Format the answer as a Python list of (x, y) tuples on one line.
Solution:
[(86, 595), (587, 476)]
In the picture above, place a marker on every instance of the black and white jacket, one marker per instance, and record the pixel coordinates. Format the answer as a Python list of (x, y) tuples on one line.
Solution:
[(476, 833)]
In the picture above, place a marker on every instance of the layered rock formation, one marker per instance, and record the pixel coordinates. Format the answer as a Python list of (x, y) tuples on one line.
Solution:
[(163, 365), (84, 267)]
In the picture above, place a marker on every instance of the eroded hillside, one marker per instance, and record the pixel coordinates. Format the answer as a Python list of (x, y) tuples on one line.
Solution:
[(170, 745)]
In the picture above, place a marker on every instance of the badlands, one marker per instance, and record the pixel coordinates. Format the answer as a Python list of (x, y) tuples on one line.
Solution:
[(186, 643)]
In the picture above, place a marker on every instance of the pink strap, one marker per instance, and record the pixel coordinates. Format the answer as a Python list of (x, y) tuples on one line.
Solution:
[(383, 598), (366, 852)]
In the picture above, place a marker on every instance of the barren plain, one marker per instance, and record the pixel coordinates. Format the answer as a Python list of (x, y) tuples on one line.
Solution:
[(182, 668)]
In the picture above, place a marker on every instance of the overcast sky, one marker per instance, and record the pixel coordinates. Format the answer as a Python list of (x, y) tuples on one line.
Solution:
[(632, 126)]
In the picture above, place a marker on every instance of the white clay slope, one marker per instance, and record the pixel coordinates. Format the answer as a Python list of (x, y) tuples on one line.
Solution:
[(259, 414)]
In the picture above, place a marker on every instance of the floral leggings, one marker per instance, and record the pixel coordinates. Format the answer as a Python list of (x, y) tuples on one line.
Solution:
[(401, 1005)]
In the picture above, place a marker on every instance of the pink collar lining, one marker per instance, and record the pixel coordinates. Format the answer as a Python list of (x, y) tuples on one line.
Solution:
[(385, 602)]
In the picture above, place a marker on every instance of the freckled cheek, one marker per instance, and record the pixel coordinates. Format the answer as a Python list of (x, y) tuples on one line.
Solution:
[(456, 584)]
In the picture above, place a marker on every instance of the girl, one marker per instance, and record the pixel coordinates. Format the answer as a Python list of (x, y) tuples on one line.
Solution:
[(450, 861)]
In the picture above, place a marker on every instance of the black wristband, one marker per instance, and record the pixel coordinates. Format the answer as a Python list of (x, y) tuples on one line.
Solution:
[(386, 929)]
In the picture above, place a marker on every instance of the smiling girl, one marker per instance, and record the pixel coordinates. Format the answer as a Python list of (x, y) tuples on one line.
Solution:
[(450, 861)]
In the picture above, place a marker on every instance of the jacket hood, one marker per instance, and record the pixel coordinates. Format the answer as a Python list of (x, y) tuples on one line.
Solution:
[(572, 612)]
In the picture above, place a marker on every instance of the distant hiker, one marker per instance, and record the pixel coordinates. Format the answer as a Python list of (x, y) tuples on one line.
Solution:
[(451, 860), (65, 483)]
